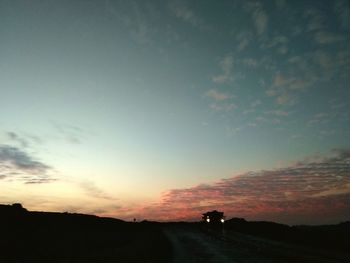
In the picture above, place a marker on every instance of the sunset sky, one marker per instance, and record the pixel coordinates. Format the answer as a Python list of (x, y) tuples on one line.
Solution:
[(164, 110)]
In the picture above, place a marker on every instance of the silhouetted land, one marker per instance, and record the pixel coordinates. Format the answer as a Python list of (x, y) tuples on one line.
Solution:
[(64, 237)]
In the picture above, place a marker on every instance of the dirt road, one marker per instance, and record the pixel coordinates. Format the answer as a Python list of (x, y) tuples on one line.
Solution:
[(195, 244)]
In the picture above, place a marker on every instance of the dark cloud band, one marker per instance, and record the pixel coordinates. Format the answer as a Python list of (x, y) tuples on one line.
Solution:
[(19, 165)]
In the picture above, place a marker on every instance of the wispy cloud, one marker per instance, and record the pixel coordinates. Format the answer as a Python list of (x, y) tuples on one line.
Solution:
[(316, 20), (255, 103), (279, 113), (342, 10), (280, 3), (24, 141), (252, 108), (243, 40), (226, 65), (278, 43), (250, 62), (217, 95), (135, 16), (221, 100), (285, 99), (223, 106), (323, 37), (70, 133), (285, 88), (16, 138), (332, 64), (260, 18), (282, 96), (281, 80), (319, 118), (309, 188), (19, 165), (93, 190), (182, 11)]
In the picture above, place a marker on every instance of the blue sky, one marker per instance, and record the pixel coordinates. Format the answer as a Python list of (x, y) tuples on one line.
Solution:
[(112, 105)]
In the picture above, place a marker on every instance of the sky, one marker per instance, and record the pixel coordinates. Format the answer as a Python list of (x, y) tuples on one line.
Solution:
[(164, 110)]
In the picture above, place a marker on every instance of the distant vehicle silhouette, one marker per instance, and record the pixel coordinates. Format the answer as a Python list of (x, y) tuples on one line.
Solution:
[(213, 217)]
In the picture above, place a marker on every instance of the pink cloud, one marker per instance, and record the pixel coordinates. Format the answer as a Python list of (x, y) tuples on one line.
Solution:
[(311, 191)]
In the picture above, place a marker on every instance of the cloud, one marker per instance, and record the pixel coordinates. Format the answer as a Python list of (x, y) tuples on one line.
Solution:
[(296, 136), (281, 80), (323, 37), (255, 103), (217, 95), (183, 12), (276, 41), (21, 160), (22, 140), (19, 165), (92, 190), (231, 131), (279, 113), (285, 88), (312, 188), (331, 64), (260, 18), (16, 138), (319, 118), (70, 133), (252, 108), (342, 10), (285, 99), (223, 106), (226, 65), (323, 59), (250, 62), (280, 92), (280, 3), (316, 20), (221, 100), (136, 17), (243, 39)]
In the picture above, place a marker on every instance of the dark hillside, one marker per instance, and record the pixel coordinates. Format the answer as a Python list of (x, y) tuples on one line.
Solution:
[(63, 237)]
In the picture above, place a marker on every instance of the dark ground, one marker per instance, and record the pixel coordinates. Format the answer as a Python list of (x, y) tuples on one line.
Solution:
[(63, 237), (193, 242)]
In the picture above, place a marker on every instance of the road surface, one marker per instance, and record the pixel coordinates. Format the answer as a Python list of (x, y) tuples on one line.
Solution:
[(195, 244)]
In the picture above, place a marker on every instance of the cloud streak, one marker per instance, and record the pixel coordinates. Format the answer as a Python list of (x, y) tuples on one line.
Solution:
[(226, 65), (94, 191), (183, 12), (217, 95), (22, 140), (323, 37), (342, 10), (135, 16), (16, 138), (16, 164), (260, 18)]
